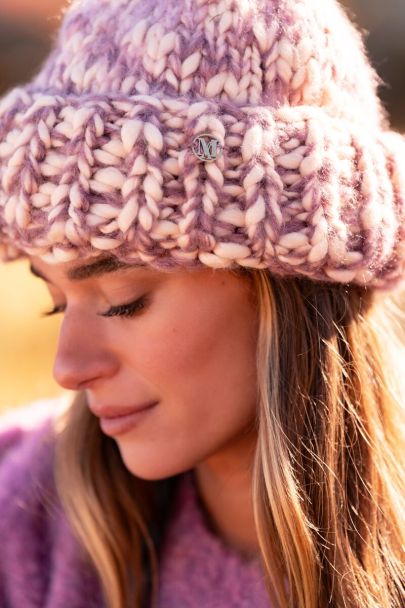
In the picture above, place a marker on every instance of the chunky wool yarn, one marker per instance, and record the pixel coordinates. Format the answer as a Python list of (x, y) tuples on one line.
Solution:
[(97, 152)]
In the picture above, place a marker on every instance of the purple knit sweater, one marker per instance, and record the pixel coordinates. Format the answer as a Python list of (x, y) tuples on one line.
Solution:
[(41, 565)]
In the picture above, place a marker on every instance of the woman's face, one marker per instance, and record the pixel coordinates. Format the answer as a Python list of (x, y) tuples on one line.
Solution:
[(191, 347)]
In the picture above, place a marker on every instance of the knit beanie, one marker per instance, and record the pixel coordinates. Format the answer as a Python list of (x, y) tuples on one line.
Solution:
[(219, 133)]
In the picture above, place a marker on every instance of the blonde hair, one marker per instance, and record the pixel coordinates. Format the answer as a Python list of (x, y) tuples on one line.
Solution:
[(328, 483)]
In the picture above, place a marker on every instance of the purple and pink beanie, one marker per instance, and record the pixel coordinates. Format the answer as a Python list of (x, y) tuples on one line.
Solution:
[(224, 133)]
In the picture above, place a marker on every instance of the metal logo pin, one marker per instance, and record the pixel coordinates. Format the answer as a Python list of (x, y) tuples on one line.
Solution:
[(206, 147)]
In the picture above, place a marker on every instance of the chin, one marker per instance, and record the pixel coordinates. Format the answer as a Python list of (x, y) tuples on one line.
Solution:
[(151, 469)]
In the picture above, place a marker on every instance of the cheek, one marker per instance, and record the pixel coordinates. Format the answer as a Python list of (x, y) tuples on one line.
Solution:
[(177, 346), (205, 354), (195, 346)]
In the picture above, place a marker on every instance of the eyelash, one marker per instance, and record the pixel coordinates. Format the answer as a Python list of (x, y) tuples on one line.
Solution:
[(122, 310)]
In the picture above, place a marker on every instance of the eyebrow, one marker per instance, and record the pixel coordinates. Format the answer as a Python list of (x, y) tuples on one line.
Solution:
[(86, 271)]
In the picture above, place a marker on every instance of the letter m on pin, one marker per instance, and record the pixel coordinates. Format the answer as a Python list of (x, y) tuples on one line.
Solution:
[(206, 147)]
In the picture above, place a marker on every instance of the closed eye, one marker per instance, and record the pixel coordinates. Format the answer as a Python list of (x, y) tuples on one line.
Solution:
[(122, 310)]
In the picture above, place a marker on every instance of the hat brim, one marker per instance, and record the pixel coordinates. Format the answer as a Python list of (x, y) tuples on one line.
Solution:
[(294, 189)]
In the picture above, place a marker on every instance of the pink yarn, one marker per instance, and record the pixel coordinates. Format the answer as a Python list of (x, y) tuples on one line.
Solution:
[(96, 153)]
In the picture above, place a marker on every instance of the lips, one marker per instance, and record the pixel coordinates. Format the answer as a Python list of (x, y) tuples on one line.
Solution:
[(114, 411)]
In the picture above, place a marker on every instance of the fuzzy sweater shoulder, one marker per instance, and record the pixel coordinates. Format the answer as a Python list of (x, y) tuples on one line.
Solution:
[(41, 563)]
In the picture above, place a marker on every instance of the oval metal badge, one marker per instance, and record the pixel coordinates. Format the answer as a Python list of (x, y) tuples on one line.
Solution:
[(206, 147)]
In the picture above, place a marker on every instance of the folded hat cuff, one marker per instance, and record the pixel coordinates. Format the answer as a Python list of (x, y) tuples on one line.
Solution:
[(293, 189)]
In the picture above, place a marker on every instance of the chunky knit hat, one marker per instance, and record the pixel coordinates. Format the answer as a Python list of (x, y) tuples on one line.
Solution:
[(224, 133)]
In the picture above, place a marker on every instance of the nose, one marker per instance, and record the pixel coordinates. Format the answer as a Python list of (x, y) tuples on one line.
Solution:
[(82, 357)]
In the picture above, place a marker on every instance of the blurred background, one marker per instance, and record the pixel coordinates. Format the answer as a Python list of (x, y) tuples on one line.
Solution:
[(27, 341)]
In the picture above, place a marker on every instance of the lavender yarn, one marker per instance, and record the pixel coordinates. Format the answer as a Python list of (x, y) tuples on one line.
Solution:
[(96, 151)]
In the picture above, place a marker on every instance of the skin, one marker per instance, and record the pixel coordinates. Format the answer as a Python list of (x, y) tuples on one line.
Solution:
[(193, 349)]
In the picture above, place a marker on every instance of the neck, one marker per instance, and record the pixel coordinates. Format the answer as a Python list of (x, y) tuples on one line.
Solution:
[(224, 493)]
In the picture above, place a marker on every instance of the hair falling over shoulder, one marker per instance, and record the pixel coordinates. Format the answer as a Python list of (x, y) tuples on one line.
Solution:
[(328, 484)]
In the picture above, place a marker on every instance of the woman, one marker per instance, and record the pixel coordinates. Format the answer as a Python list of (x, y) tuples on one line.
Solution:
[(222, 176)]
